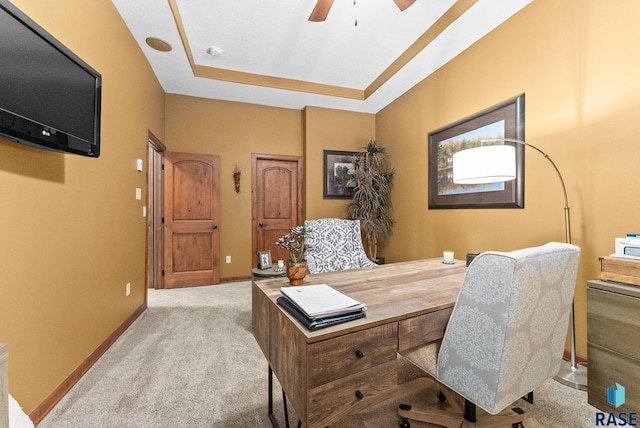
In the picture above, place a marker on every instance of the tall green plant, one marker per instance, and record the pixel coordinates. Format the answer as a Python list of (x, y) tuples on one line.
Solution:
[(371, 201)]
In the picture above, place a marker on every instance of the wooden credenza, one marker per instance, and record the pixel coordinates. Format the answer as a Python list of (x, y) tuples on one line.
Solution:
[(613, 343), (334, 372)]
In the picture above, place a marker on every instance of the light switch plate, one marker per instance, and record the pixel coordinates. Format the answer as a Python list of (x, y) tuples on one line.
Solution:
[(139, 164), (138, 193)]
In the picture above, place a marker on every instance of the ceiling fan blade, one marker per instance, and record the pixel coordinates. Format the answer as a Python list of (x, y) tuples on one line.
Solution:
[(403, 4), (321, 10)]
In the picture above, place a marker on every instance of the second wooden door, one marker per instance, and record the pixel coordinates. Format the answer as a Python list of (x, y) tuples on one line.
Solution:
[(277, 201)]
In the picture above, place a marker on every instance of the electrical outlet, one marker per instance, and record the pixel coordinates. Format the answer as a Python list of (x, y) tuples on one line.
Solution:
[(228, 259), (127, 289)]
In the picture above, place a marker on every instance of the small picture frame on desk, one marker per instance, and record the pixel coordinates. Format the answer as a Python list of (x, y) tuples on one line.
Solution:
[(264, 259)]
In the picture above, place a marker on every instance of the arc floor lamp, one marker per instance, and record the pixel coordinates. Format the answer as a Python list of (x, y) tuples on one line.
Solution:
[(496, 163)]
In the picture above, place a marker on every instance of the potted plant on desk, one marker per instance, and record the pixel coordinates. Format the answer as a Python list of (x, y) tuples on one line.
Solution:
[(295, 242)]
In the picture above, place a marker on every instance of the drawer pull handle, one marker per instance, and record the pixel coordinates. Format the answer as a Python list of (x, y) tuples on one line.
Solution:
[(360, 395), (359, 353)]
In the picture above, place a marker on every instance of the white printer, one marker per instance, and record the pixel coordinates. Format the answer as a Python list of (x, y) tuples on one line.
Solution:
[(628, 247)]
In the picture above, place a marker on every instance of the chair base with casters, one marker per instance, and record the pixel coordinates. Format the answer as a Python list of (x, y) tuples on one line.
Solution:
[(441, 406)]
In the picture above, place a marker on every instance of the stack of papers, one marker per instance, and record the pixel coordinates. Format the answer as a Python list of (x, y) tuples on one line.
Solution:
[(320, 301), (320, 305)]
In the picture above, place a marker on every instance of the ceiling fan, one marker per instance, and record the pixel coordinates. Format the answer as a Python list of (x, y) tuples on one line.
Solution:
[(322, 8)]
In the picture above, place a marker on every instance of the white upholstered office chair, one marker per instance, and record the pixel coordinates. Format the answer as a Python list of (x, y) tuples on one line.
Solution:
[(335, 244), (505, 337)]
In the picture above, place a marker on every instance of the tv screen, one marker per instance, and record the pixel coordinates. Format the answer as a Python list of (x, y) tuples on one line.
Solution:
[(49, 97)]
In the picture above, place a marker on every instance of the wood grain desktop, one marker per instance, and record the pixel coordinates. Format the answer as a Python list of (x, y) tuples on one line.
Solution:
[(334, 372)]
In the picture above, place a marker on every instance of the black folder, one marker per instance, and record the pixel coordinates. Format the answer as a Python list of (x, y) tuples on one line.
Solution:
[(316, 324)]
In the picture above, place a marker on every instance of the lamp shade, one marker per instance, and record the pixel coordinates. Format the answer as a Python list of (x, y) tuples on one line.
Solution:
[(485, 164)]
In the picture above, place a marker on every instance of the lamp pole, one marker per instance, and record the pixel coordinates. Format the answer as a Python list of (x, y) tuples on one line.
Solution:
[(570, 374)]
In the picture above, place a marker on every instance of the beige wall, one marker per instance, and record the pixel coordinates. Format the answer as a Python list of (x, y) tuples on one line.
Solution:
[(575, 62), (73, 235), (327, 129), (71, 230), (235, 130)]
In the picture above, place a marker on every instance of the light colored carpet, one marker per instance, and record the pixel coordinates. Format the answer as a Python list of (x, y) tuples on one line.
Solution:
[(191, 360)]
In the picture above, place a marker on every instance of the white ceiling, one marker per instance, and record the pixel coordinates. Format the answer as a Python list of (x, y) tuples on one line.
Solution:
[(272, 55)]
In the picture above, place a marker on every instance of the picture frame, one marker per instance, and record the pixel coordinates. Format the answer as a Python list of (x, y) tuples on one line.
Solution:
[(338, 182), (264, 259), (504, 120)]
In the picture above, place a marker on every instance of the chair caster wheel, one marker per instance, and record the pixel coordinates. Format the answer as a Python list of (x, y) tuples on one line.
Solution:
[(404, 423), (518, 425)]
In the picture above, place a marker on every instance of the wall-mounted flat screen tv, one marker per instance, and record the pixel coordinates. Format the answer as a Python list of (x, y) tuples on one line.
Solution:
[(49, 98)]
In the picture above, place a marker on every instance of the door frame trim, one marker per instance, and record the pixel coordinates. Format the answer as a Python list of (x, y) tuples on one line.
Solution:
[(155, 181)]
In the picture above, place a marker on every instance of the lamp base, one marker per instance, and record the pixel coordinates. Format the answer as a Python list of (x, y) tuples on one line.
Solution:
[(575, 377)]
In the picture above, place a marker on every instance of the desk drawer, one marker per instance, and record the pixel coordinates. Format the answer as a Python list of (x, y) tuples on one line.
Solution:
[(343, 355), (422, 329), (335, 400)]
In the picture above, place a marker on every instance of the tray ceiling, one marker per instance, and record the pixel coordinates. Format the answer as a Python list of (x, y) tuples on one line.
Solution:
[(361, 58)]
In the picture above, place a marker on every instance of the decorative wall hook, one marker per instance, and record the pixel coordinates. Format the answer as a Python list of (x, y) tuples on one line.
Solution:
[(236, 178)]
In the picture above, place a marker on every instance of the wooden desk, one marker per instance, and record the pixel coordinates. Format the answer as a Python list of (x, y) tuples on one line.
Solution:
[(334, 372)]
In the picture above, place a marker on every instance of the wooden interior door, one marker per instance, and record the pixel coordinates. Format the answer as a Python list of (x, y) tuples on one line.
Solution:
[(191, 217), (277, 201)]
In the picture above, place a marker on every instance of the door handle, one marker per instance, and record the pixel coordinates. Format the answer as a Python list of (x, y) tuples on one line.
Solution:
[(261, 224), (214, 226)]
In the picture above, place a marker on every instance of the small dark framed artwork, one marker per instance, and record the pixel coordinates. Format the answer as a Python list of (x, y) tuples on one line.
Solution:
[(264, 259), (338, 181), (505, 120)]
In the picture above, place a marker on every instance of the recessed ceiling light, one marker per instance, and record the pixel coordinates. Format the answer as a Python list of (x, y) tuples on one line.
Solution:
[(214, 51), (157, 44)]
